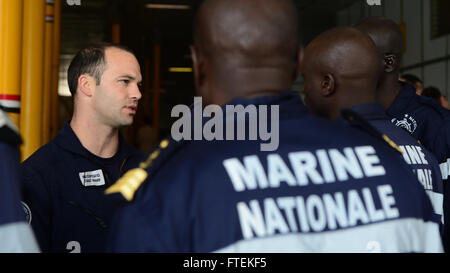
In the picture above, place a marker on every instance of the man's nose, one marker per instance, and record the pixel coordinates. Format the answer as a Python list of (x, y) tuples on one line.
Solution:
[(136, 93)]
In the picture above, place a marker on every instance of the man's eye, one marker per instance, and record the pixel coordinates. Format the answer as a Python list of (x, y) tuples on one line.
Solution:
[(125, 81)]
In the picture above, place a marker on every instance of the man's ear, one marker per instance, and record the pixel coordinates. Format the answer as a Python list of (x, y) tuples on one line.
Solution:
[(85, 84), (390, 63), (299, 62), (327, 85)]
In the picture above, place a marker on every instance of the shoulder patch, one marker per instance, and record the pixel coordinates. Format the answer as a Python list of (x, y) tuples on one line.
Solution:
[(392, 143), (27, 211), (130, 182), (8, 130)]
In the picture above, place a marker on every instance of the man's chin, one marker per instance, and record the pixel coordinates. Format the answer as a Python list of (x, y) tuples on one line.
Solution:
[(126, 122)]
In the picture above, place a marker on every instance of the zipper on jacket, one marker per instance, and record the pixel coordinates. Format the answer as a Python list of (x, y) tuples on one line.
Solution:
[(99, 220)]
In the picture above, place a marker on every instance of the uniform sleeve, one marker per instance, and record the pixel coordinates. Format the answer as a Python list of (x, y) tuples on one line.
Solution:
[(15, 233), (36, 195)]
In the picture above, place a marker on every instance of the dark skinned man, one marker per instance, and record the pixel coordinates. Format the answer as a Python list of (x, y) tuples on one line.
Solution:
[(350, 68), (304, 196), (422, 117)]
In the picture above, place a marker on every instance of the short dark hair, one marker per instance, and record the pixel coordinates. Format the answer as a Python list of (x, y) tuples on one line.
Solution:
[(432, 92), (89, 60)]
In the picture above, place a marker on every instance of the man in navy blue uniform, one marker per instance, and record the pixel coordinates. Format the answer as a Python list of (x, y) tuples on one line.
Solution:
[(352, 61), (325, 188), (15, 232), (64, 181), (420, 116)]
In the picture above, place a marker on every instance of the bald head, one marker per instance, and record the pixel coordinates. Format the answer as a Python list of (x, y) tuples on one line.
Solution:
[(385, 33), (388, 38), (246, 28), (242, 38), (341, 69), (345, 52)]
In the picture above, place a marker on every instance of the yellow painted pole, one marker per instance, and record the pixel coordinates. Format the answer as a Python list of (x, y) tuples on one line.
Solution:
[(2, 17), (55, 70), (47, 92), (11, 53), (115, 33), (32, 75)]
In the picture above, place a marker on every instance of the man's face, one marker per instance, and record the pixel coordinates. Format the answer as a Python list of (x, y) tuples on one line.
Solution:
[(116, 97)]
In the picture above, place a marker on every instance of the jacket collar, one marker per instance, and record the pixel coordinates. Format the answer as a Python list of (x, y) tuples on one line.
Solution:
[(403, 99), (371, 111)]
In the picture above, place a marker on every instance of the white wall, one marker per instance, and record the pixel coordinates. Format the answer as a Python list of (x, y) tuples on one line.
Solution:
[(419, 46)]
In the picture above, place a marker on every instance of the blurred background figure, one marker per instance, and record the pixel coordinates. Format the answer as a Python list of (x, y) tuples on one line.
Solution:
[(435, 94), (414, 81)]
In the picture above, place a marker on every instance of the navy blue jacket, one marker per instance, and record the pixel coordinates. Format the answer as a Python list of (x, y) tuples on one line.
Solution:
[(63, 184), (422, 161), (15, 233), (430, 124), (327, 188)]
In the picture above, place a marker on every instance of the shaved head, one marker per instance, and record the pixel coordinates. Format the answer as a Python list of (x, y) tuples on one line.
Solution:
[(388, 38), (385, 33), (247, 29), (341, 69), (345, 52), (246, 39)]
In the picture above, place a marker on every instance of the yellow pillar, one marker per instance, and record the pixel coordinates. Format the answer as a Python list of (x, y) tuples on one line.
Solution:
[(55, 69), (32, 75), (2, 16), (47, 92), (11, 53)]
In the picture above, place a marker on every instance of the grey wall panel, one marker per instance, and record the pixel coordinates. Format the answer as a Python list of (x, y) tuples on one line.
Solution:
[(411, 15), (342, 18), (434, 75), (392, 10), (355, 12), (432, 48)]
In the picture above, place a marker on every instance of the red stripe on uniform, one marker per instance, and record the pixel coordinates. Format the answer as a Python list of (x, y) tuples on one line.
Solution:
[(9, 97)]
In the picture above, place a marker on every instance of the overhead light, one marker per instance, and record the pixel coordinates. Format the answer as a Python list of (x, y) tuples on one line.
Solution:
[(180, 69), (164, 6)]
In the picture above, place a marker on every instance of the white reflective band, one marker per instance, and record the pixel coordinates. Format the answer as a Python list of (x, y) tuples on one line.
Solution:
[(17, 238), (6, 120), (437, 200), (10, 103), (445, 169), (400, 235)]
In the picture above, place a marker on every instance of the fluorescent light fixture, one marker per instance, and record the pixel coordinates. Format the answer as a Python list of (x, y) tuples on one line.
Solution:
[(180, 69), (163, 6)]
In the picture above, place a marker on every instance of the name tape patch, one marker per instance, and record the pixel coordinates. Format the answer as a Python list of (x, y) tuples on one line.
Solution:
[(92, 178)]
